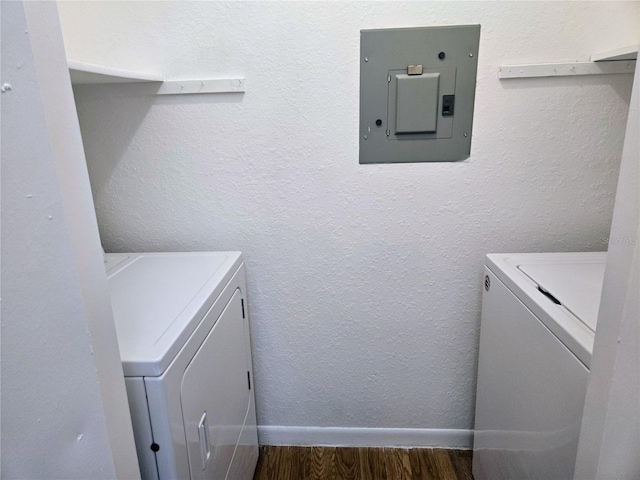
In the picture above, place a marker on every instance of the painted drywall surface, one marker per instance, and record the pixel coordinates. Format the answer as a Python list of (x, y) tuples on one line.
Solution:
[(621, 433), (364, 281), (60, 418), (64, 132), (610, 435)]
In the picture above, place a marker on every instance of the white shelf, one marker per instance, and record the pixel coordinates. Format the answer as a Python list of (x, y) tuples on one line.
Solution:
[(126, 82), (616, 61), (88, 73), (623, 53), (566, 69)]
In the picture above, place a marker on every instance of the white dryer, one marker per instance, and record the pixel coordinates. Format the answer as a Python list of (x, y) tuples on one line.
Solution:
[(539, 314), (183, 333)]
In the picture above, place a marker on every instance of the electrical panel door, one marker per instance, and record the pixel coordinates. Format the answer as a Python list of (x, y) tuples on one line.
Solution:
[(417, 91)]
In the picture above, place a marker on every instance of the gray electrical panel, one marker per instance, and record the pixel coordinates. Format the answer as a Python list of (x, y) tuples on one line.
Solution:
[(417, 88)]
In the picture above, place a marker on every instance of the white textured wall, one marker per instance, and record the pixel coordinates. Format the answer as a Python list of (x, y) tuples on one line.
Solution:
[(64, 404), (364, 280)]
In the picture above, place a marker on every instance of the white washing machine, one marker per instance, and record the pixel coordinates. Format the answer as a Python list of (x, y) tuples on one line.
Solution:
[(183, 332), (539, 314)]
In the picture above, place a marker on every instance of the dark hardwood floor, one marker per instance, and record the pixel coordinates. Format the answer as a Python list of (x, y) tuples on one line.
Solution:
[(347, 463)]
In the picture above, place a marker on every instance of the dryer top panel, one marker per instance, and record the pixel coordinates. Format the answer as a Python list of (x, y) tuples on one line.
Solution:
[(158, 300), (573, 280)]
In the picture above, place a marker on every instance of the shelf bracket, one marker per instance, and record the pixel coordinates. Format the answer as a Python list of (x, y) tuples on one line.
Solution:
[(185, 87)]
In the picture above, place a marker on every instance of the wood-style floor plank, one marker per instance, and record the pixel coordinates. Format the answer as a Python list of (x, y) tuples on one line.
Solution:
[(286, 462), (443, 464), (300, 462), (422, 464), (322, 463), (461, 461), (398, 463), (346, 463), (269, 465), (372, 463)]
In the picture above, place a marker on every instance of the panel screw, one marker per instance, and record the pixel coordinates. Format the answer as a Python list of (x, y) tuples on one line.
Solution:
[(441, 55), (366, 137), (378, 122), (466, 134), (155, 447), (366, 59), (471, 54)]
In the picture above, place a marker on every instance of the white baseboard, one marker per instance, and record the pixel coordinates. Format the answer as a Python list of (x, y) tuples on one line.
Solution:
[(365, 437)]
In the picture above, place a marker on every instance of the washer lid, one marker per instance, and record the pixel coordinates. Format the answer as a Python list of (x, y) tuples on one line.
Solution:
[(574, 280), (158, 300), (577, 286)]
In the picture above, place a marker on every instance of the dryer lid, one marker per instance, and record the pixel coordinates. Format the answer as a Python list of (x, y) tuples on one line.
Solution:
[(577, 286), (158, 300)]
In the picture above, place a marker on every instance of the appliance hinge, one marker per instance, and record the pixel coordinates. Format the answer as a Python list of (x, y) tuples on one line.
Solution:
[(249, 380), (242, 302)]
